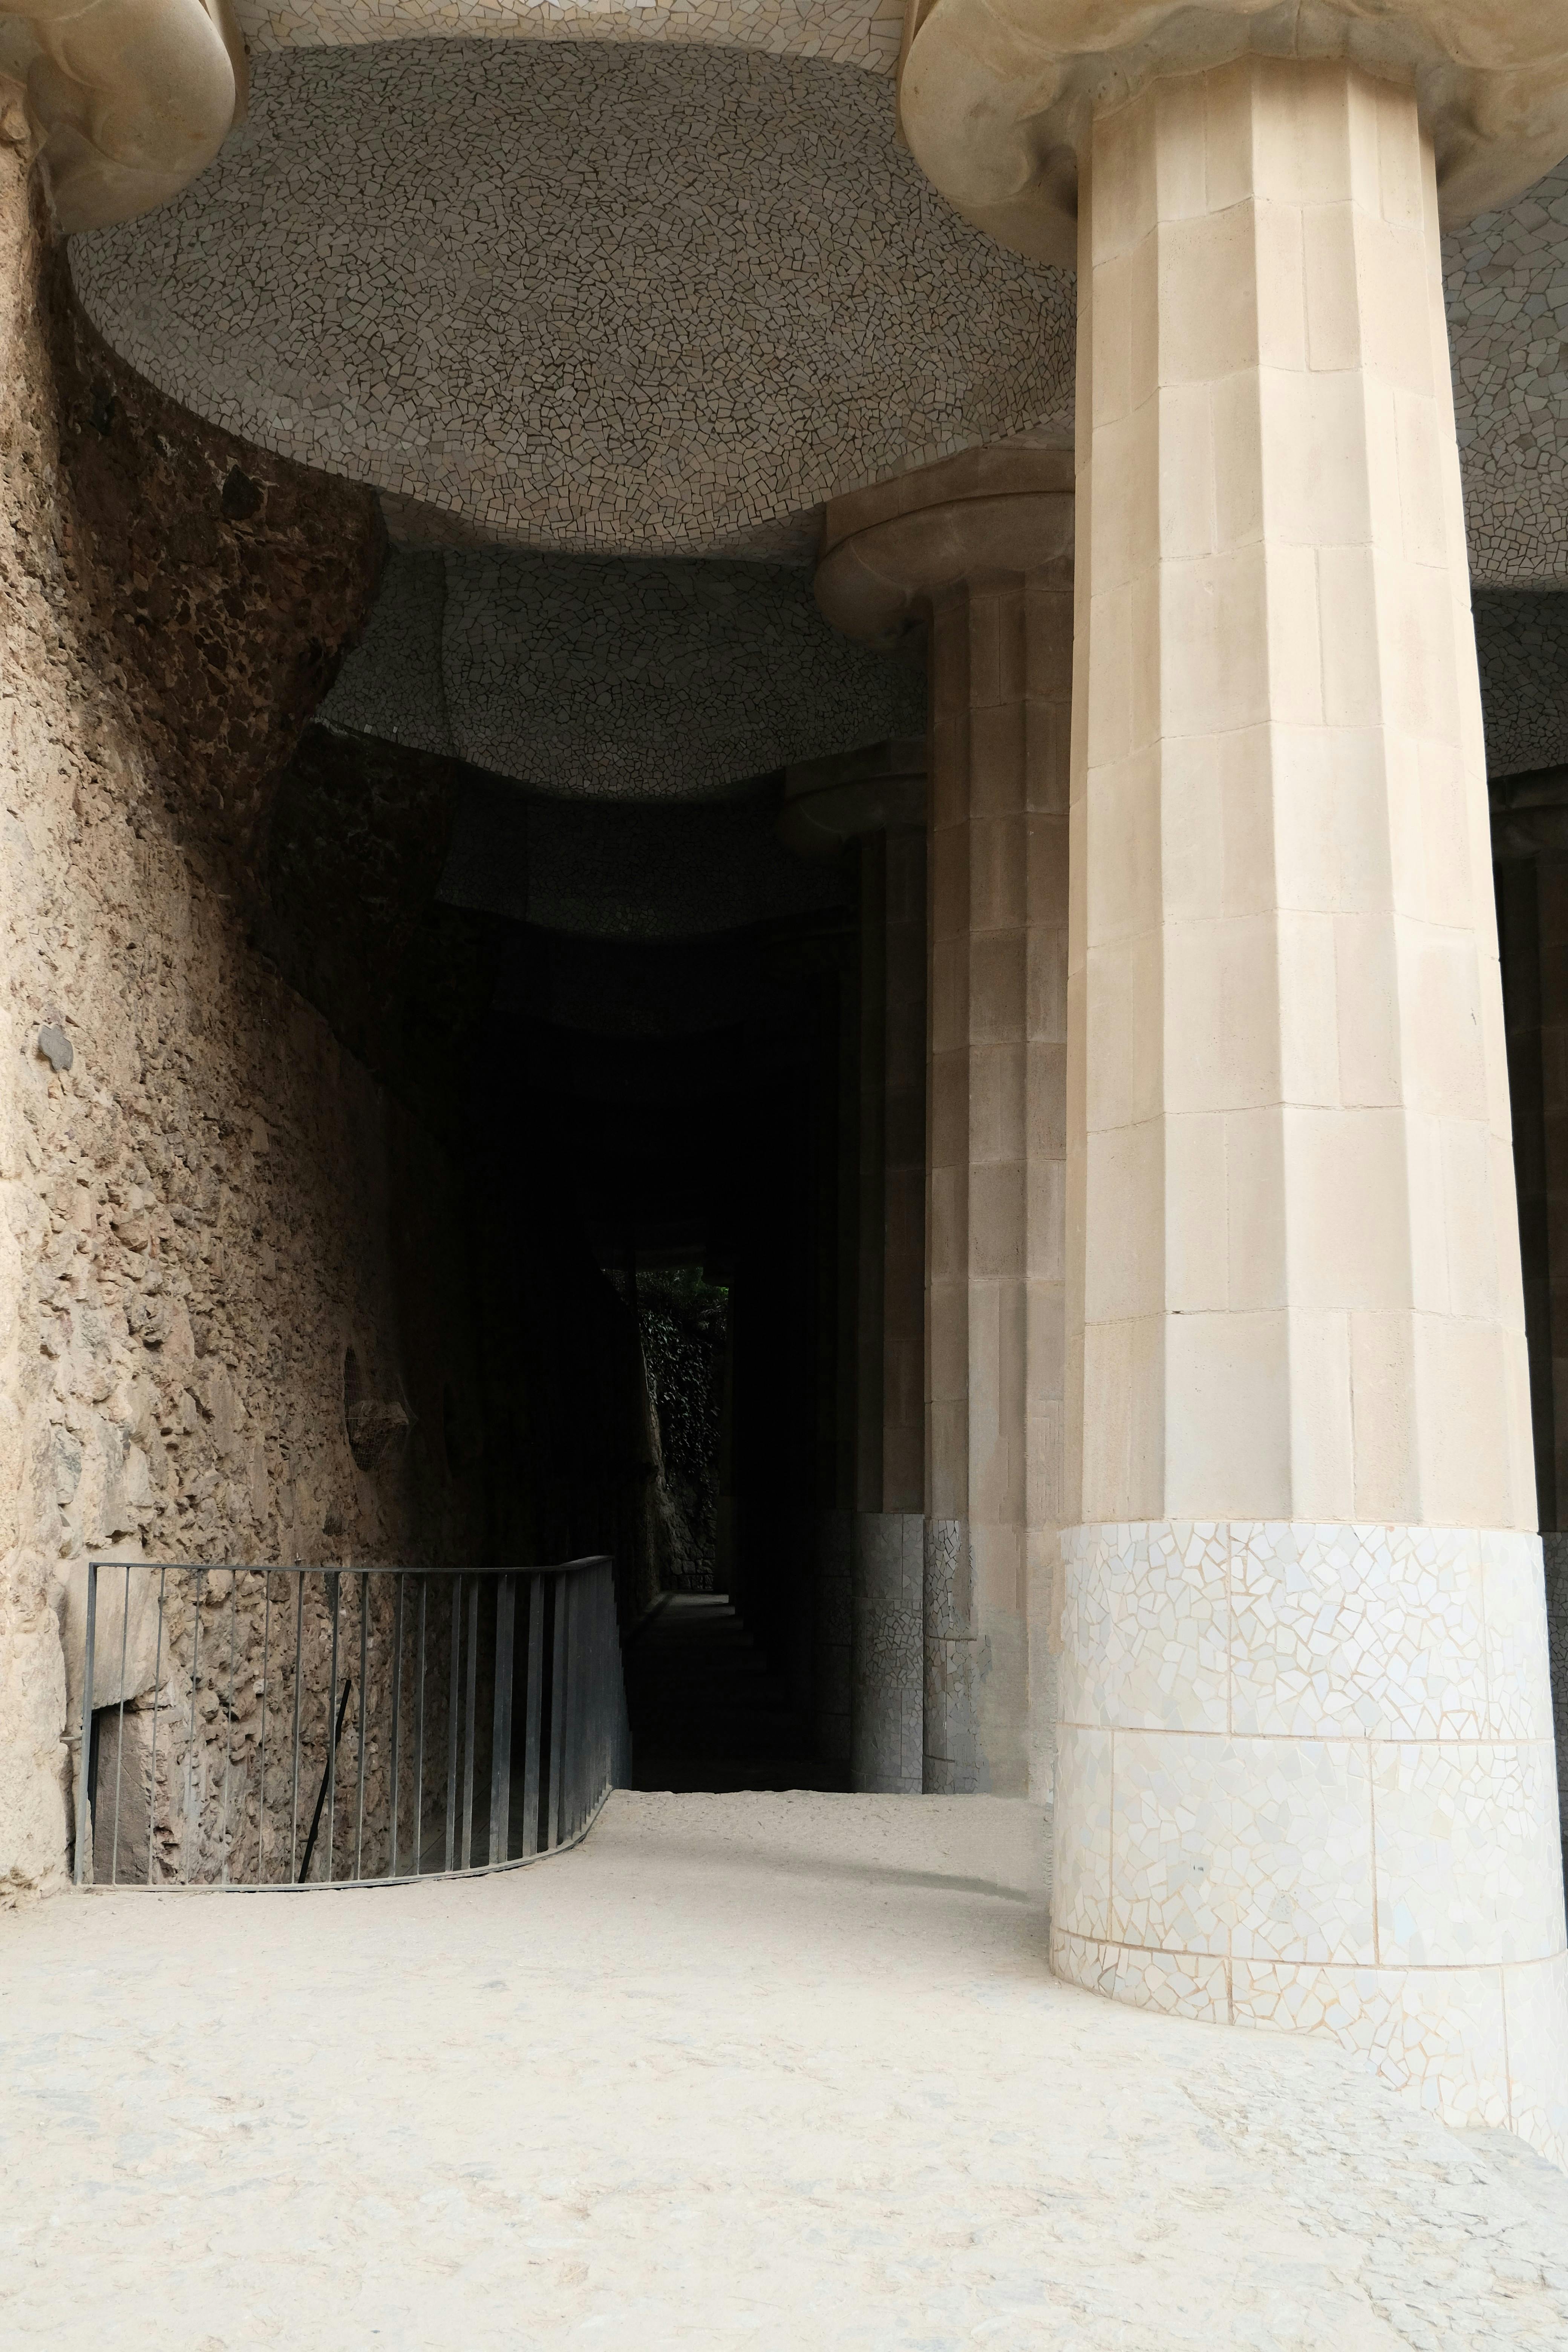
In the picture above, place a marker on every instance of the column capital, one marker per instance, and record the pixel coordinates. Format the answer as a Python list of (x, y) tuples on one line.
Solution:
[(995, 96), (1005, 513), (130, 99), (830, 801)]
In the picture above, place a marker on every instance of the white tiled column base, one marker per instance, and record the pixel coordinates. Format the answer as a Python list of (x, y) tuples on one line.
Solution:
[(889, 1710), (1306, 1780), (831, 1636), (952, 1745)]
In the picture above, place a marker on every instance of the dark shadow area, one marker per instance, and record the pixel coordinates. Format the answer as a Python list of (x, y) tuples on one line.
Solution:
[(627, 1025)]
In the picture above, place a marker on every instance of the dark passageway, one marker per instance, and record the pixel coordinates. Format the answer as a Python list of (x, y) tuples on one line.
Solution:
[(709, 1712)]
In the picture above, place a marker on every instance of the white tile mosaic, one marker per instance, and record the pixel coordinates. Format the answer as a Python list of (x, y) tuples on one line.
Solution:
[(1437, 2032), (1146, 1633), (1081, 1901), (1366, 1842), (1469, 1860), (1349, 1632), (1485, 2049), (1535, 2011), (1259, 1848), (603, 296), (1183, 1984), (1519, 1676)]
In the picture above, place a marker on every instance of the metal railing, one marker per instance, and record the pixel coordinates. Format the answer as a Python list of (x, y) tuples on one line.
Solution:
[(286, 1726)]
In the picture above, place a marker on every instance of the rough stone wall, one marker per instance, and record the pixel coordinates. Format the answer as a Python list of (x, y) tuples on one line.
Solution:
[(204, 1201)]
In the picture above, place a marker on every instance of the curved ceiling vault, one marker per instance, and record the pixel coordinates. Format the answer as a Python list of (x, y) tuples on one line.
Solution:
[(618, 298), (602, 679)]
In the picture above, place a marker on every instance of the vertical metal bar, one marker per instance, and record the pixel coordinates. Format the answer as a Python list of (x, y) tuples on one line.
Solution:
[(396, 1705), (454, 1684), (601, 1688), (596, 1784), (612, 1643), (152, 1761), (559, 1614), (577, 1714), (294, 1790), (191, 1749), (82, 1829), (119, 1737), (570, 1706), (501, 1724), (591, 1648), (228, 1716), (363, 1721), (472, 1726), (419, 1743), (531, 1712), (576, 1705), (261, 1785), (337, 1583)]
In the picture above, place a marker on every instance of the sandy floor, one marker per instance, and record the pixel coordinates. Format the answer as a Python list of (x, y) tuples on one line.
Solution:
[(784, 2072)]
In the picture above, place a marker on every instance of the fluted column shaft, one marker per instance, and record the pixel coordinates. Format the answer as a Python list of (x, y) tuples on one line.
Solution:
[(1305, 1771), (980, 548), (1000, 657)]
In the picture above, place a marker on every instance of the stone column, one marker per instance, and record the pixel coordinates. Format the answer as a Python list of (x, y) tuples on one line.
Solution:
[(980, 547), (872, 803), (1530, 843), (1305, 1770), (889, 1747), (1307, 1775)]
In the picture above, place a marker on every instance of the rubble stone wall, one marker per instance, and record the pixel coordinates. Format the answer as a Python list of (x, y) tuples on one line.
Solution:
[(204, 1201)]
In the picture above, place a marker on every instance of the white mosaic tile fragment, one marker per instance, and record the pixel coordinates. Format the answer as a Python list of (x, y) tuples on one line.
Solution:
[(1358, 1632), (1081, 1901), (1436, 2033), (1535, 2005), (1182, 1984), (1519, 1672), (1255, 1847), (1468, 1858), (1146, 1628)]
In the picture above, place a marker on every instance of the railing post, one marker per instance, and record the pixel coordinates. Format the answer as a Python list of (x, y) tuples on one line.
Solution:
[(560, 1619), (532, 1726), (571, 1681), (83, 1826)]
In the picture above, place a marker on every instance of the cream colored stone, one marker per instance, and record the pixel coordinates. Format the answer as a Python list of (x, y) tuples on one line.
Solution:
[(998, 102), (982, 545), (1290, 1232), (132, 98)]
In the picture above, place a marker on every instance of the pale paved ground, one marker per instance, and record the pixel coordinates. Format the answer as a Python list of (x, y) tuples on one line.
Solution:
[(759, 2071)]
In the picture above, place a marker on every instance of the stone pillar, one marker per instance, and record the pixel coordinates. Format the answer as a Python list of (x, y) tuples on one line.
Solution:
[(1529, 839), (980, 547), (871, 804), (1306, 1765), (889, 1746)]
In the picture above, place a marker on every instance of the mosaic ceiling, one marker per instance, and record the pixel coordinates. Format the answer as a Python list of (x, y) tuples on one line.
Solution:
[(849, 32), (629, 299), (615, 679), (1506, 278), (1522, 642)]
